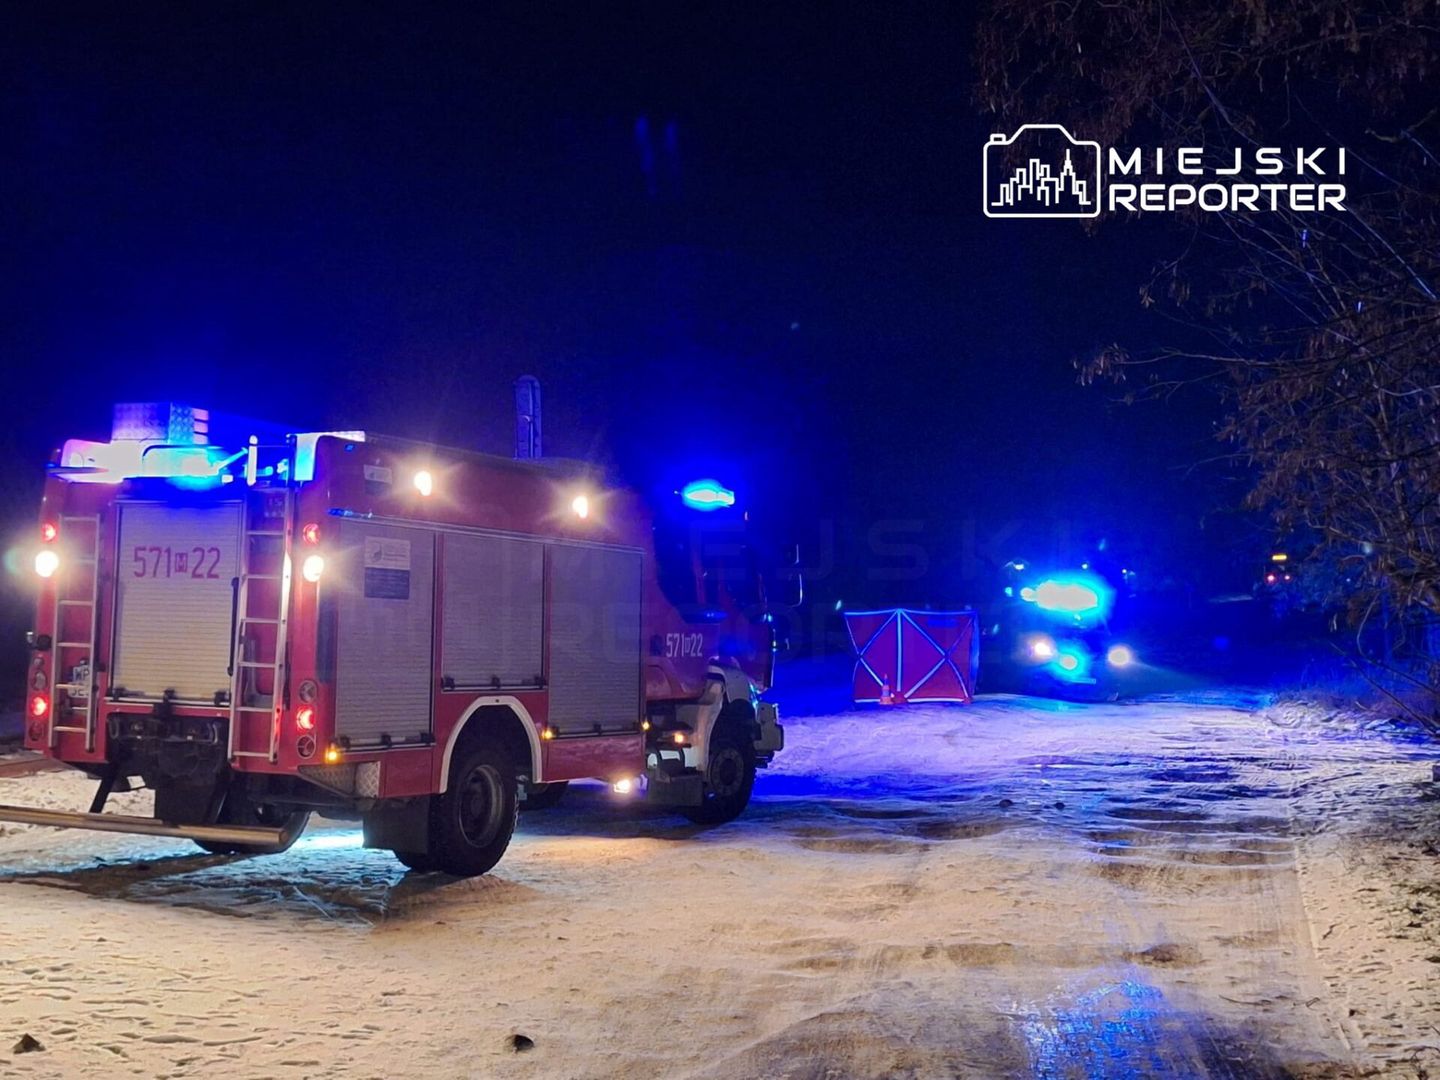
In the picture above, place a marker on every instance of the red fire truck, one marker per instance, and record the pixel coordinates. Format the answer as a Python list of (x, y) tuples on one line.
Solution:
[(426, 639)]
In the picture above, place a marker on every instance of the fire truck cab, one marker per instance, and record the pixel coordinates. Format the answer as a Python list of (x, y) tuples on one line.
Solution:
[(426, 639)]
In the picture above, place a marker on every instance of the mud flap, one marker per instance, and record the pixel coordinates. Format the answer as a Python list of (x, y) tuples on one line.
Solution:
[(399, 825), (684, 789)]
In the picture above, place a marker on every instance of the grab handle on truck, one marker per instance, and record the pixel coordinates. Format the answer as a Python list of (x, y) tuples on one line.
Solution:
[(234, 621)]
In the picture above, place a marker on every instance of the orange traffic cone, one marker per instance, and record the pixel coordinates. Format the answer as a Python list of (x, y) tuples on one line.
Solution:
[(887, 696)]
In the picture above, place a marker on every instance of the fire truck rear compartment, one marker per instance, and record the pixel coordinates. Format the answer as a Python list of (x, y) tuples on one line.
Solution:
[(176, 577)]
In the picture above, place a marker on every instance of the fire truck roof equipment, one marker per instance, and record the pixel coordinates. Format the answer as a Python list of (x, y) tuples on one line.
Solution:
[(191, 447)]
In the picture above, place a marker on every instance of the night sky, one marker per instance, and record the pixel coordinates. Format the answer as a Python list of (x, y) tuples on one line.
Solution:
[(746, 243)]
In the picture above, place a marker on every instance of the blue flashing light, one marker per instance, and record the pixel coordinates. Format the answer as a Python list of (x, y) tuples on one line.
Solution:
[(1078, 596), (180, 460), (192, 468), (1071, 596), (707, 495)]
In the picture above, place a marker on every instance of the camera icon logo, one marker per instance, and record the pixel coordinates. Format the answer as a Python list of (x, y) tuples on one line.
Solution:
[(1041, 171)]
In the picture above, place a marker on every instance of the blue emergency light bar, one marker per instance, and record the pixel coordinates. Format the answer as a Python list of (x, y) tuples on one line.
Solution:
[(707, 495), (1081, 596), (1068, 596)]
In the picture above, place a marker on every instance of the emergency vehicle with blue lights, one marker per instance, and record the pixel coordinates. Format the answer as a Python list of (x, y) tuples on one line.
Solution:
[(1060, 634), (426, 639)]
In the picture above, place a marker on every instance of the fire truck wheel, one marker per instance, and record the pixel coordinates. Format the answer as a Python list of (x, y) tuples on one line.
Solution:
[(475, 818), (417, 861), (544, 796), (729, 778), (292, 825)]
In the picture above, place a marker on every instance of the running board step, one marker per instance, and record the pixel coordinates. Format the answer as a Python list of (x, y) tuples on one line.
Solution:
[(144, 826)]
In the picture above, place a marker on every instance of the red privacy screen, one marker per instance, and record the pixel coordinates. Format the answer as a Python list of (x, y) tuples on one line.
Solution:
[(904, 655)]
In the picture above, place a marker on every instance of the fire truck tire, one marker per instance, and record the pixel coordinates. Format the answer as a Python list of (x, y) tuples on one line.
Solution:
[(473, 821), (729, 777), (544, 796), (418, 861)]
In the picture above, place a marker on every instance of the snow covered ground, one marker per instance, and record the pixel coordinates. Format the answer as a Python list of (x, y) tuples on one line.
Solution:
[(1019, 888)]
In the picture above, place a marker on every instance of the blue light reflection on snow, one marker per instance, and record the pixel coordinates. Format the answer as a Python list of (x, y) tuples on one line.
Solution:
[(330, 839), (1114, 1030)]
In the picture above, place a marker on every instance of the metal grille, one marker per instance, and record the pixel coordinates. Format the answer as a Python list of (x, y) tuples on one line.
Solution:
[(594, 639), (494, 611), (177, 572), (381, 585)]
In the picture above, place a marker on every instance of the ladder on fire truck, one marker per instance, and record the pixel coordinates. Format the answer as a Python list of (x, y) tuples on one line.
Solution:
[(262, 604), (77, 625)]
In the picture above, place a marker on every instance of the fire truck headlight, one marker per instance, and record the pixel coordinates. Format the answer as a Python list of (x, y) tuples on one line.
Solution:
[(1040, 647), (424, 482), (46, 563), (312, 568), (1120, 656), (624, 786), (581, 505)]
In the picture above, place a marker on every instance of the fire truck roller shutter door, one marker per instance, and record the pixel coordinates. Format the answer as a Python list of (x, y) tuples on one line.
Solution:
[(493, 600), (382, 587), (595, 653), (177, 566)]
